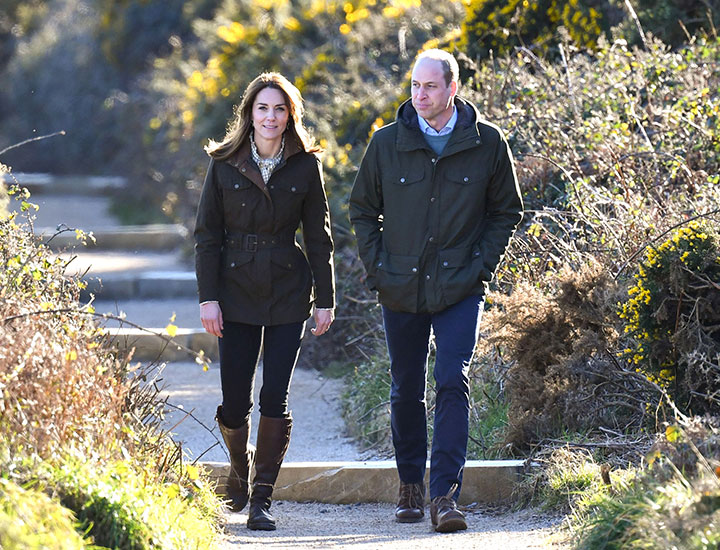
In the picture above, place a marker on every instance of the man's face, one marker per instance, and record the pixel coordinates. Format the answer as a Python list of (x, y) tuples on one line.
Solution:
[(431, 96)]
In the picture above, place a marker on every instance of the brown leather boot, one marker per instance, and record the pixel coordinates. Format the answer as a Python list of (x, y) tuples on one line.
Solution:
[(272, 442), (241, 459), (411, 503), (445, 516)]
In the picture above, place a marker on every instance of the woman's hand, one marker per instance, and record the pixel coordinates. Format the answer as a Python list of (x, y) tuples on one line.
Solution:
[(211, 318), (323, 320)]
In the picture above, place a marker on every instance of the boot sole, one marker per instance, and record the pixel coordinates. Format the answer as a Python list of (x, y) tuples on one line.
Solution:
[(409, 520), (451, 525), (262, 526)]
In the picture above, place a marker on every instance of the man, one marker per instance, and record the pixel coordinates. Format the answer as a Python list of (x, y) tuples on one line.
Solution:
[(434, 205)]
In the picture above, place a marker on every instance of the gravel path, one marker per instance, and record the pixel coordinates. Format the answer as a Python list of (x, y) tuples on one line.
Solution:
[(318, 435), (318, 427), (304, 526)]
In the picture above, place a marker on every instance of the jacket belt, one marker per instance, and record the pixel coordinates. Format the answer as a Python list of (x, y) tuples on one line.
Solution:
[(255, 241)]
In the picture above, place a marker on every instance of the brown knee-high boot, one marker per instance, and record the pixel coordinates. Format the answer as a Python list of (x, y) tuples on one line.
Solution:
[(241, 459), (272, 443)]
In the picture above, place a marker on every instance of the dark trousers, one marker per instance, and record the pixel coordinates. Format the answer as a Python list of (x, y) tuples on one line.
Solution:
[(408, 337), (239, 355)]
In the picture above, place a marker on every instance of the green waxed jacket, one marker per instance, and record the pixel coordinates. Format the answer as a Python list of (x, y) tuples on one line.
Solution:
[(431, 229), (246, 256)]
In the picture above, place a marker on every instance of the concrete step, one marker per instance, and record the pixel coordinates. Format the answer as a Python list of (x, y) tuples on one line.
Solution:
[(152, 237), (154, 344), (39, 183), (146, 284), (484, 481)]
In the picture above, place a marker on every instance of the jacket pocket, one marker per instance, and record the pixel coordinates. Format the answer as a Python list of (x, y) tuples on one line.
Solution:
[(397, 281), (408, 176), (456, 273), (469, 178), (291, 274)]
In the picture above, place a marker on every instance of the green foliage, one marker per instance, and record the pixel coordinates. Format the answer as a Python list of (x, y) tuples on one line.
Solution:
[(366, 404), (488, 413), (672, 315), (66, 395), (29, 520), (662, 506), (673, 21), (501, 27), (120, 508)]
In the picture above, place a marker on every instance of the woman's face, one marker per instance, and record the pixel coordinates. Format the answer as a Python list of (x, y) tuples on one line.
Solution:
[(270, 114)]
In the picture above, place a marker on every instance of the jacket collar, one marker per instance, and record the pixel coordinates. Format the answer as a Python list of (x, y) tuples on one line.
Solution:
[(465, 134), (243, 161)]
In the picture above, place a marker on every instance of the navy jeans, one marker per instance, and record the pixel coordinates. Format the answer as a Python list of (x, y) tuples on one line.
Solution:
[(408, 337), (239, 355)]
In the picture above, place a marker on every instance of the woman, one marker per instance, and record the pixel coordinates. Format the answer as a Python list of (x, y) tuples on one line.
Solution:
[(257, 287)]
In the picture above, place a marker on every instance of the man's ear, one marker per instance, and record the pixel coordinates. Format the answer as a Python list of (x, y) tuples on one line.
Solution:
[(453, 88)]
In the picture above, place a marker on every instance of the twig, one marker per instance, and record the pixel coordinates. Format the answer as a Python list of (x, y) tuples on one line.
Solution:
[(60, 133)]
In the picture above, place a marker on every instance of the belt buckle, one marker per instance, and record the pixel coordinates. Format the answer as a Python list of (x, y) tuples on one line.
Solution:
[(251, 241)]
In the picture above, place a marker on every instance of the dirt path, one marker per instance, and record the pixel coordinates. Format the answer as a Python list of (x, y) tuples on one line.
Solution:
[(304, 526)]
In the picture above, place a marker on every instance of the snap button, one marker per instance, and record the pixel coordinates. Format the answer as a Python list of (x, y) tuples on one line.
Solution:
[(445, 264), (414, 269), (272, 187), (262, 242), (477, 141), (242, 169), (292, 189), (431, 239), (243, 204), (427, 277), (432, 199), (289, 265), (232, 264), (433, 161), (379, 264), (402, 180), (465, 179), (477, 253), (237, 186)]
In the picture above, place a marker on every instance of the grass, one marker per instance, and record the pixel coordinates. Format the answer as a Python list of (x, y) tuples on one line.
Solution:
[(30, 519)]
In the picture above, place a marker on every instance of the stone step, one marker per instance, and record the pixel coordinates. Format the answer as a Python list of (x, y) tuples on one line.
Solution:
[(153, 344), (152, 237), (145, 284), (484, 481), (39, 183)]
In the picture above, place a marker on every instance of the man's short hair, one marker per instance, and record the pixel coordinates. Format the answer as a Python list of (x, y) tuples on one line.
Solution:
[(451, 71)]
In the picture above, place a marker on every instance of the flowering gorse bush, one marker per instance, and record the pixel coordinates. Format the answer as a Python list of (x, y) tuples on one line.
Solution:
[(672, 314)]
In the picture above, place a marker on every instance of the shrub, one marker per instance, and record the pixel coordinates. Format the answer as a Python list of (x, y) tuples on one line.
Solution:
[(81, 425), (502, 26), (673, 316), (30, 519), (666, 505), (556, 338)]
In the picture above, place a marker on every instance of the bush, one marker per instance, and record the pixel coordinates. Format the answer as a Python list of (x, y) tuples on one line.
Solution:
[(501, 27), (666, 505), (29, 519), (81, 425), (557, 339), (673, 316)]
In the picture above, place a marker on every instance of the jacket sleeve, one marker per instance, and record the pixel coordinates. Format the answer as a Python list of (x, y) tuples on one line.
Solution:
[(209, 232), (366, 207), (504, 210), (317, 236)]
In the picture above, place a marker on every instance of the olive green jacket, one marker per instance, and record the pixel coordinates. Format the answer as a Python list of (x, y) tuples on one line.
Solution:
[(431, 229), (246, 255)]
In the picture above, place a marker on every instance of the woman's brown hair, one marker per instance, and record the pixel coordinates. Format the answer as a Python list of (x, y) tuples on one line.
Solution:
[(241, 125)]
